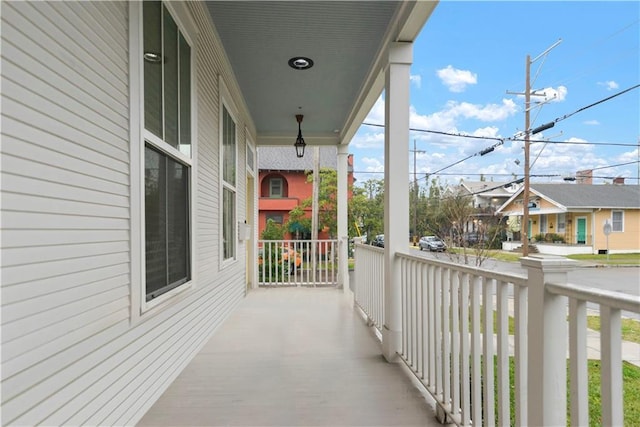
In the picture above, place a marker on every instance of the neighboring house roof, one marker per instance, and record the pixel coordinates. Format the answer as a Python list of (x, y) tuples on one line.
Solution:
[(486, 188), (576, 196), (284, 158)]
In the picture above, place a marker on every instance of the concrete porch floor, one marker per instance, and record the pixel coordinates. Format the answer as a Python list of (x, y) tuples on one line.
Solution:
[(292, 357)]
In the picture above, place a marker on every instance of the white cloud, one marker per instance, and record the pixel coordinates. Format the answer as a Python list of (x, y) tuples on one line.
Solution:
[(554, 94), (369, 140), (591, 122), (372, 164), (485, 113), (416, 79), (609, 85), (456, 80)]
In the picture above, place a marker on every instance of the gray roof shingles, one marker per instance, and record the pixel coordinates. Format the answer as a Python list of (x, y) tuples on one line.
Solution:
[(284, 158), (591, 196)]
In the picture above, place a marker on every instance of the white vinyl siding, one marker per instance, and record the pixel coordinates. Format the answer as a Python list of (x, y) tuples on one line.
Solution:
[(72, 352)]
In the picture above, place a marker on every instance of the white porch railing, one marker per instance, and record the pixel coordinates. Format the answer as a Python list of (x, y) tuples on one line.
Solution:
[(449, 341), (370, 297), (297, 262)]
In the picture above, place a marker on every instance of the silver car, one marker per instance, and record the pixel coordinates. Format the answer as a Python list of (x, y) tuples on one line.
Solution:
[(432, 243)]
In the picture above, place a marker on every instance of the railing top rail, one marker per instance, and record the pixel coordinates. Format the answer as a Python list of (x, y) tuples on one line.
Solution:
[(612, 299), (369, 247), (515, 278)]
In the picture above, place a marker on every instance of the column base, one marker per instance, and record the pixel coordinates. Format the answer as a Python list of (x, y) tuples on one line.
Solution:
[(391, 344)]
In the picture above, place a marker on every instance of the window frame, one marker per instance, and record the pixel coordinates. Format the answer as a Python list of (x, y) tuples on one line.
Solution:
[(271, 192), (226, 103), (140, 137), (613, 228)]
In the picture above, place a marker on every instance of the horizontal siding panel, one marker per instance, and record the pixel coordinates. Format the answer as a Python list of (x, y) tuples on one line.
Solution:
[(84, 275), (116, 196), (28, 238), (112, 121), (24, 47), (20, 137), (113, 18), (44, 67), (65, 316), (43, 153), (45, 254), (69, 131), (64, 46), (31, 220), (49, 333), (35, 306), (80, 118), (47, 173), (28, 203), (76, 22), (24, 274), (50, 357)]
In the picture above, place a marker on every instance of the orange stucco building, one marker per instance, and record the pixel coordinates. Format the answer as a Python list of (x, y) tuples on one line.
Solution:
[(282, 188)]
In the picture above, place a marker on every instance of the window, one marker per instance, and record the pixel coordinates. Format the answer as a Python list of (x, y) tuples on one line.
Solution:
[(617, 221), (277, 218), (167, 151), (228, 129), (275, 187), (562, 219), (543, 223)]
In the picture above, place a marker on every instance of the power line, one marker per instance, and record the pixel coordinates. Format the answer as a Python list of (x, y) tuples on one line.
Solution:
[(437, 132)]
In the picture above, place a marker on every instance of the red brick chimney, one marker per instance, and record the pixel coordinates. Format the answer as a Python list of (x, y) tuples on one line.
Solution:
[(619, 180), (584, 176)]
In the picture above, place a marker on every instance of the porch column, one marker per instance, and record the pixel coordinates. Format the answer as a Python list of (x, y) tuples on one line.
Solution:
[(343, 227), (396, 191), (546, 341)]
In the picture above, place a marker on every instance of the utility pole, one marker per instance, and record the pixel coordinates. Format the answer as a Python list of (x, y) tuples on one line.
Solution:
[(524, 227), (525, 197), (415, 190)]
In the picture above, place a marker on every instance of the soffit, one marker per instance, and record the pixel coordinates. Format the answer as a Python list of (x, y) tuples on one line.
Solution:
[(346, 40)]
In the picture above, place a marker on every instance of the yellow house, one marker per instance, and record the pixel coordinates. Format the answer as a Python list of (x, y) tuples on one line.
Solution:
[(571, 218)]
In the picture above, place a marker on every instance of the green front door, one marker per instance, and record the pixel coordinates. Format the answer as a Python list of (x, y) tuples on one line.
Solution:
[(581, 237)]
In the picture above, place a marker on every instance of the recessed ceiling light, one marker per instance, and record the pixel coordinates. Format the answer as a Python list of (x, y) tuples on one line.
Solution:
[(300, 63)]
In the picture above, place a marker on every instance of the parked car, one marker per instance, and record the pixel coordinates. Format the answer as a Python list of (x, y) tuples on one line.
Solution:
[(432, 244), (378, 241)]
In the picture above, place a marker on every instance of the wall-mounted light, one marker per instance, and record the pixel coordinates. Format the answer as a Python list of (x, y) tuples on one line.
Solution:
[(299, 144)]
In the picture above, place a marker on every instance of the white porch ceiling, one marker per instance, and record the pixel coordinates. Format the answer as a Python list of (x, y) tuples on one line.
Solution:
[(348, 42)]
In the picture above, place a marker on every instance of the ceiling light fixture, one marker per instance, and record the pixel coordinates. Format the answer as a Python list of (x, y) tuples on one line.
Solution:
[(300, 63), (299, 144)]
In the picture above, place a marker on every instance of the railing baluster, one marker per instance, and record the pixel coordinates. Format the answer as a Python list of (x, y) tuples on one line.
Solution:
[(521, 358), (476, 351), (432, 327), (446, 336), (455, 341), (487, 359), (465, 375), (437, 290), (504, 415), (611, 366), (578, 362)]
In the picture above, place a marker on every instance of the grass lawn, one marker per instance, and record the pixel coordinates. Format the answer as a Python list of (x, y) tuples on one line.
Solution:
[(614, 259), (630, 328), (630, 393)]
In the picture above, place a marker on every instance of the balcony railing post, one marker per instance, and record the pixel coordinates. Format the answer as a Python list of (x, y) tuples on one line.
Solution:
[(547, 341)]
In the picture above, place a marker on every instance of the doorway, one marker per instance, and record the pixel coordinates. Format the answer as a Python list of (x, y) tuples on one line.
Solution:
[(581, 231)]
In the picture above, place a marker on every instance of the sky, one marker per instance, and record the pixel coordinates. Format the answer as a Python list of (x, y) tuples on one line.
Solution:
[(467, 58)]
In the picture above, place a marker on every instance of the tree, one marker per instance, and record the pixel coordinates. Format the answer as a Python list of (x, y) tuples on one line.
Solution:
[(298, 224), (272, 231)]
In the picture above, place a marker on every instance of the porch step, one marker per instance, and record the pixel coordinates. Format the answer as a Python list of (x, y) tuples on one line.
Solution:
[(532, 249)]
